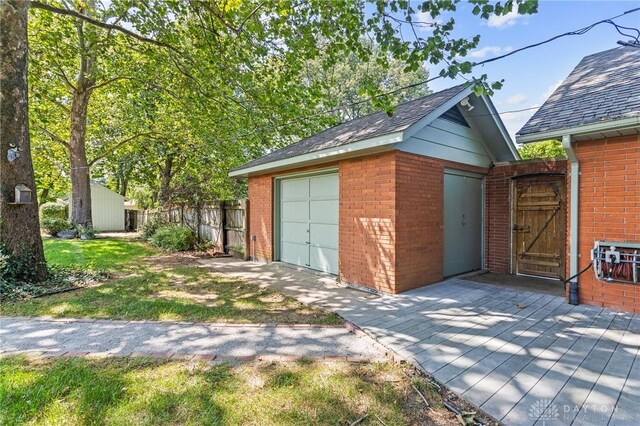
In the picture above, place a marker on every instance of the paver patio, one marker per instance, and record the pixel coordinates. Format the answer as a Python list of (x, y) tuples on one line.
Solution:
[(523, 357)]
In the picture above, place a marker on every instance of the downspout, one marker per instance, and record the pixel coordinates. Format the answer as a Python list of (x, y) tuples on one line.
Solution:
[(573, 218)]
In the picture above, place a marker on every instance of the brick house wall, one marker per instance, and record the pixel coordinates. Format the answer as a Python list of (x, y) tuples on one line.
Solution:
[(609, 210), (498, 232)]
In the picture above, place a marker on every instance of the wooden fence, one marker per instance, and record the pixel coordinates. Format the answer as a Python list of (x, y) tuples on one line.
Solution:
[(223, 223)]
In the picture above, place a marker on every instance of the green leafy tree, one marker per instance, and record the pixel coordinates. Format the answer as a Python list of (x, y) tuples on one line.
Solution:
[(240, 60), (347, 84), (542, 149)]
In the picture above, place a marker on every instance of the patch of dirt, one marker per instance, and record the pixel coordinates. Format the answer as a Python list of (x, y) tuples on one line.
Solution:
[(168, 260), (450, 405)]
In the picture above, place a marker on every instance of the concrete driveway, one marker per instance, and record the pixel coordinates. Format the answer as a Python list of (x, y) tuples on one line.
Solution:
[(525, 358)]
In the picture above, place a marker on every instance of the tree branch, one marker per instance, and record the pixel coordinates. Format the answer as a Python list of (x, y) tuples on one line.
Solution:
[(253, 12), (101, 24), (109, 81), (62, 106), (63, 75), (116, 146), (52, 136)]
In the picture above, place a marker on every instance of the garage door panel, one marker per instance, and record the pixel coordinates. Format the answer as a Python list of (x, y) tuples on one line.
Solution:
[(325, 211), (295, 211), (294, 188), (309, 222), (323, 186), (297, 254), (294, 232), (324, 259), (324, 235)]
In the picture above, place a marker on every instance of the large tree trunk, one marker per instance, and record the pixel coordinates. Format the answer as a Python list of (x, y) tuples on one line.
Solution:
[(19, 226), (165, 181), (80, 173), (124, 186)]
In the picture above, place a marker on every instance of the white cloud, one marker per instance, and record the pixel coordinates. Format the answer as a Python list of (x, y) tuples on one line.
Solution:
[(518, 99), (504, 21), (489, 51), (424, 22)]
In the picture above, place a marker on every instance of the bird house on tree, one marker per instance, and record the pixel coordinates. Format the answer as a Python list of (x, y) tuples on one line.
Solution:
[(23, 195)]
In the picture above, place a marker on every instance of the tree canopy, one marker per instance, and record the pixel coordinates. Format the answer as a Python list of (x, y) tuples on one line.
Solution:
[(542, 149), (166, 96), (201, 87)]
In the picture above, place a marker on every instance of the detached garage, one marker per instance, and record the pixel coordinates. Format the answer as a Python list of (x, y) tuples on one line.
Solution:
[(387, 202)]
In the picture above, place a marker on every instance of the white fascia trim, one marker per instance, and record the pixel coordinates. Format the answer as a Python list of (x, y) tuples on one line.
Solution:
[(581, 130), (501, 127), (428, 119), (324, 155)]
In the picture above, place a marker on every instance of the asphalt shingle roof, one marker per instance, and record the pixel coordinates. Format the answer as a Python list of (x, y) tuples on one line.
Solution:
[(367, 127), (603, 87)]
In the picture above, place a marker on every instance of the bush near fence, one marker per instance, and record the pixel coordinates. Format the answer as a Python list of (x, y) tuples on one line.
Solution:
[(221, 223)]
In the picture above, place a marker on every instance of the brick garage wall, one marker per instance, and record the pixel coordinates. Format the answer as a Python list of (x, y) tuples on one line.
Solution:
[(366, 221), (419, 213), (419, 185), (261, 217), (609, 210), (367, 252), (498, 207), (391, 219)]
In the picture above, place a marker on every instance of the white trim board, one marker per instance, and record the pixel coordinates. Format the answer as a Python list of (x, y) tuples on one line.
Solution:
[(581, 130), (377, 144)]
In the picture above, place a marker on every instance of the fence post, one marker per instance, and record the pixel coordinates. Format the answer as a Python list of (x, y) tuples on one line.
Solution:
[(245, 228), (223, 225), (198, 221)]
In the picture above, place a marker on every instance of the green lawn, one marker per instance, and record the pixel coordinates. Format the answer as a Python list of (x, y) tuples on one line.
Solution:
[(140, 391), (159, 287), (99, 254)]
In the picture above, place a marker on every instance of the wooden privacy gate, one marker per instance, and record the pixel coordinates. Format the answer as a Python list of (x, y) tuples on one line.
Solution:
[(539, 215)]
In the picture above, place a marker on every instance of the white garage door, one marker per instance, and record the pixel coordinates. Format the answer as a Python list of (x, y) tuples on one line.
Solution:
[(309, 222)]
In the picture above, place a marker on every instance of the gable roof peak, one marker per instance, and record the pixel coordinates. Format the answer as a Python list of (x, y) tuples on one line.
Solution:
[(604, 87)]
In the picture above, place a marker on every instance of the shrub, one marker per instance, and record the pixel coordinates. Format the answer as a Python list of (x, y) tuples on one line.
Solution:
[(86, 232), (151, 227), (53, 226), (174, 238), (54, 211)]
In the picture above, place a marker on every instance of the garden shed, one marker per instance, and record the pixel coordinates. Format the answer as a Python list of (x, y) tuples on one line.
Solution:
[(388, 202), (107, 208)]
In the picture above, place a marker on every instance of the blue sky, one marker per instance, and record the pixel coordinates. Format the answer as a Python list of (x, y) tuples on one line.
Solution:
[(531, 76)]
